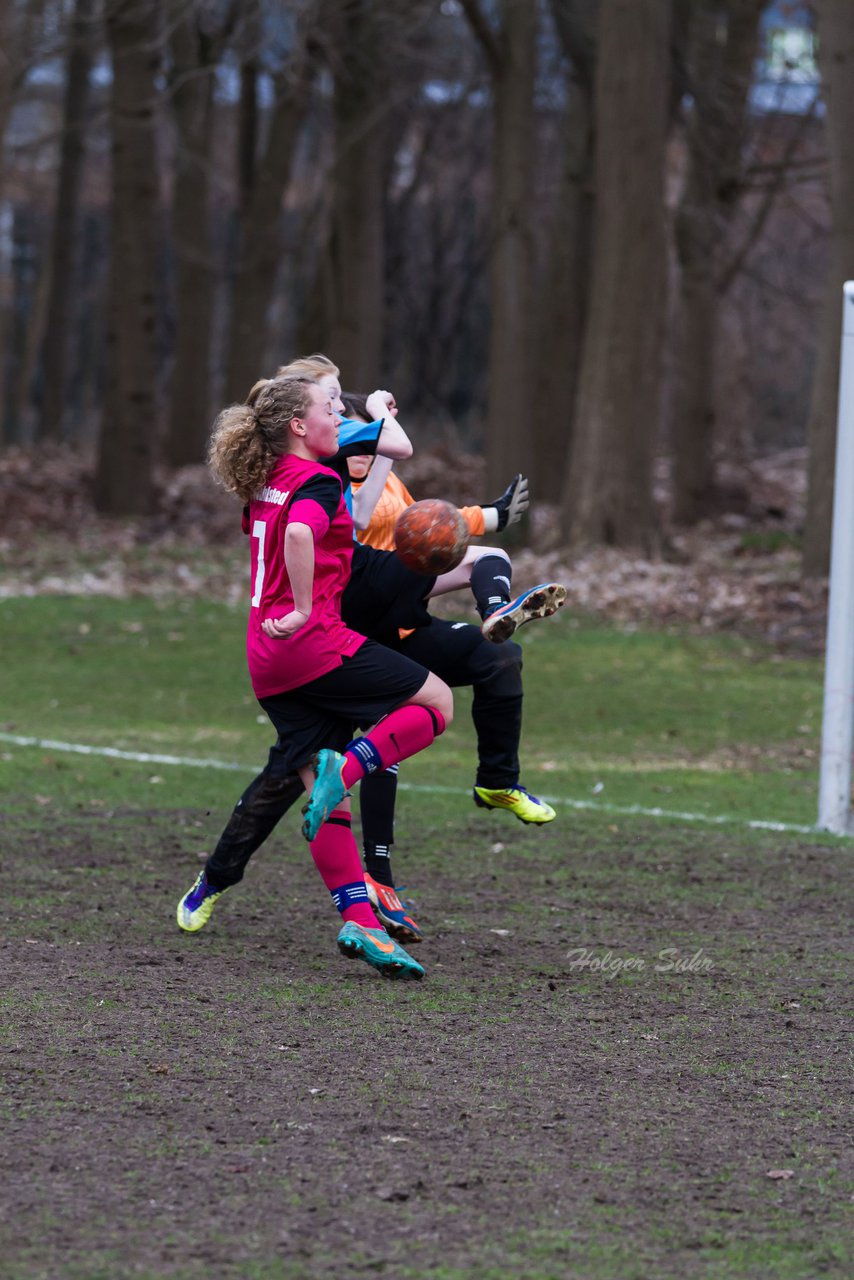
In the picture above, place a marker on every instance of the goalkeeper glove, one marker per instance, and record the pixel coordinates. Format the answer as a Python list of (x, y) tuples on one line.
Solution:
[(507, 509)]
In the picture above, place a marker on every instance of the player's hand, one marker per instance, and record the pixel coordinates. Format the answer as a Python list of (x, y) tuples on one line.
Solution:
[(281, 628), (513, 502), (381, 404)]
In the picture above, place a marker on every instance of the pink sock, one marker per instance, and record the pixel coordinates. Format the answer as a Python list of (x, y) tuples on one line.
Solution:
[(398, 735), (337, 859)]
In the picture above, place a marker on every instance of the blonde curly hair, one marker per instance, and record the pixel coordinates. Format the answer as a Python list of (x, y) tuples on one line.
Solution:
[(314, 366), (247, 439)]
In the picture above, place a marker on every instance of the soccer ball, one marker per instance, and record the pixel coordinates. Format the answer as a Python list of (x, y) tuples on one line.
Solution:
[(431, 537)]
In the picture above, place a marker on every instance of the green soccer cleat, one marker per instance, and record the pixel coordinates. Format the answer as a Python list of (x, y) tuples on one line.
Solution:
[(194, 909), (380, 951), (517, 800), (327, 792)]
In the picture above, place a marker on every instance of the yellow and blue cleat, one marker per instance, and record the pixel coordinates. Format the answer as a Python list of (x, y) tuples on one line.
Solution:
[(516, 800), (377, 949), (194, 909)]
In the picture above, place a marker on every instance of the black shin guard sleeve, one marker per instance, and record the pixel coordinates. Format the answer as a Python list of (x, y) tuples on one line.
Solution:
[(377, 794), (256, 813), (491, 577)]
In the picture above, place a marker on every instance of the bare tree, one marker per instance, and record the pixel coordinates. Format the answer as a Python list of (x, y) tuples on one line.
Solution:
[(836, 58), (438, 249), (354, 272), (510, 51), (20, 27), (25, 321), (264, 173), (374, 52), (193, 51), (608, 496), (21, 34), (64, 239), (124, 480), (563, 294), (721, 53)]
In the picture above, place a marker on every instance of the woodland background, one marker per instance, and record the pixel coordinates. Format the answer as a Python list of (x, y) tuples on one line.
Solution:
[(599, 241)]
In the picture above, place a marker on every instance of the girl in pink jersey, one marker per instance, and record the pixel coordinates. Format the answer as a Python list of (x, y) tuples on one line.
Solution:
[(315, 677)]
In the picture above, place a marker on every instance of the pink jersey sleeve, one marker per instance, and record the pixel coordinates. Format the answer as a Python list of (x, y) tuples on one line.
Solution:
[(305, 511)]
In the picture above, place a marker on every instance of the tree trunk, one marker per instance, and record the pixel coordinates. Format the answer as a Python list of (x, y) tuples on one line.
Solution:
[(693, 408), (260, 229), (356, 264), (564, 300), (19, 24), (609, 483), (87, 380), (27, 363), (64, 237), (192, 101), (376, 56), (512, 248), (124, 481), (836, 53), (720, 72), (21, 320), (510, 50), (564, 285)]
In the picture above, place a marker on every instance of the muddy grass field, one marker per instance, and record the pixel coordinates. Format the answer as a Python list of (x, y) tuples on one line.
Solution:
[(556, 1099)]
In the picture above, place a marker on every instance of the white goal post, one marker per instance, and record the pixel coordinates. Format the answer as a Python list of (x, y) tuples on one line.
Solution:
[(837, 730)]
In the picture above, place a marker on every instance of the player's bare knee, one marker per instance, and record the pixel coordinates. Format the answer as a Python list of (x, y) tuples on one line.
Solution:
[(479, 553), (436, 694), (444, 704)]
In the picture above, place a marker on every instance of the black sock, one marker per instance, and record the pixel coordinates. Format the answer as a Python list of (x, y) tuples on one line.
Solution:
[(378, 863), (490, 583), (377, 794)]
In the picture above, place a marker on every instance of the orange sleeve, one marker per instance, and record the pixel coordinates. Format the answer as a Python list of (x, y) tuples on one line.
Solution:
[(473, 517), (395, 498)]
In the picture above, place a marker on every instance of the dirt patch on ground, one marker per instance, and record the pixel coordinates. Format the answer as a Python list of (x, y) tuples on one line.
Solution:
[(558, 1098)]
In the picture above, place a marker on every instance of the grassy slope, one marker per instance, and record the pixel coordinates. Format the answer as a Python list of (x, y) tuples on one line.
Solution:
[(707, 724)]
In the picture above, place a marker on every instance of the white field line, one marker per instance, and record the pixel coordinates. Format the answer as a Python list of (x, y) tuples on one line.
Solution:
[(113, 753), (594, 806)]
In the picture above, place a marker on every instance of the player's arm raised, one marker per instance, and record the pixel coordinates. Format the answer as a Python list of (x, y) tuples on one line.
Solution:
[(366, 497), (393, 443)]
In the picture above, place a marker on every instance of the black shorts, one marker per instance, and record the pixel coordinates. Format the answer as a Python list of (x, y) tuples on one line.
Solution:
[(383, 596), (327, 711), (459, 654)]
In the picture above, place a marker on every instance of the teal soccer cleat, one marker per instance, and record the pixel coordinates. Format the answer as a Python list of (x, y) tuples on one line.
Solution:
[(380, 951), (327, 792)]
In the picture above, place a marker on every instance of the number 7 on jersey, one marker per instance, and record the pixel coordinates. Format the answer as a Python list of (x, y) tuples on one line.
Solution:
[(259, 531)]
